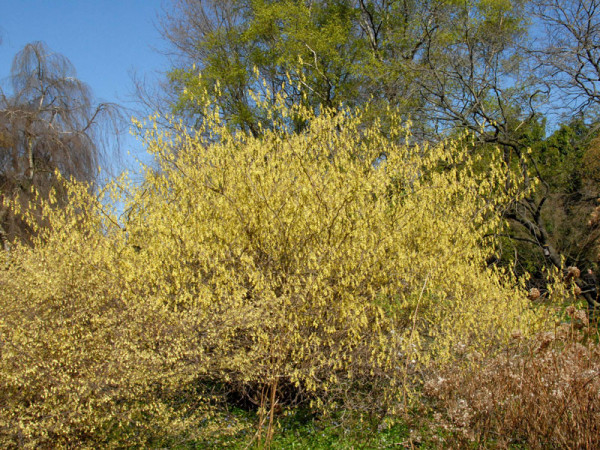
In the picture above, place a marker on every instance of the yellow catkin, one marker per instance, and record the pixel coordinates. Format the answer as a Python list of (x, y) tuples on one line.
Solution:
[(338, 261)]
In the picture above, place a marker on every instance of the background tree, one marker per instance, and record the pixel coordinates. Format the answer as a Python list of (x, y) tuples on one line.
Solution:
[(564, 52), (48, 122), (237, 44), (412, 55), (568, 54)]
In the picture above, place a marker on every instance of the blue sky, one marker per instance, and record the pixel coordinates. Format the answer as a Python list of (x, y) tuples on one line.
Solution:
[(104, 39)]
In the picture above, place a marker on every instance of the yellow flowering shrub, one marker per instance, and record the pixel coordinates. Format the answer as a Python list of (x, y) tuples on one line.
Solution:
[(83, 359), (326, 267)]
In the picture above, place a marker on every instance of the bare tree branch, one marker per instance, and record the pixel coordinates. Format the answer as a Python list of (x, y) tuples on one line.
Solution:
[(48, 122)]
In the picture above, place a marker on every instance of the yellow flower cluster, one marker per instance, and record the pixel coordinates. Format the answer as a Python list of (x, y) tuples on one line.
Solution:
[(328, 266)]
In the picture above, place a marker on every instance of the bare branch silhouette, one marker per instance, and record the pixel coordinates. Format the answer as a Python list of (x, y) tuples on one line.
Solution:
[(48, 122)]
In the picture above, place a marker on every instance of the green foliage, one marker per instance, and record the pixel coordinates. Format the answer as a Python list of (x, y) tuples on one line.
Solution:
[(560, 156), (407, 55), (310, 43), (565, 165)]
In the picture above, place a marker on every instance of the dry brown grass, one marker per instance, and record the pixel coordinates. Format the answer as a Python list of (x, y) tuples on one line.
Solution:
[(543, 393)]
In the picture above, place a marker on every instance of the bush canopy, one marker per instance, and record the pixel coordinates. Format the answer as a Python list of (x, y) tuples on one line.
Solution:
[(329, 267)]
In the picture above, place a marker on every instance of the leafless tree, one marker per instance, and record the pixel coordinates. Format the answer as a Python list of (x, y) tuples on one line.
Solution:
[(569, 52), (48, 122)]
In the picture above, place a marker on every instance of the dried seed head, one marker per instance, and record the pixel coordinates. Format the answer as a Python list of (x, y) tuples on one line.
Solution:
[(573, 273), (534, 294), (594, 217), (544, 340), (516, 334), (582, 316), (563, 331)]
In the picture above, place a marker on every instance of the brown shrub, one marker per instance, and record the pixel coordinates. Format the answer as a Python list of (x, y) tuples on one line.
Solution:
[(544, 393)]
